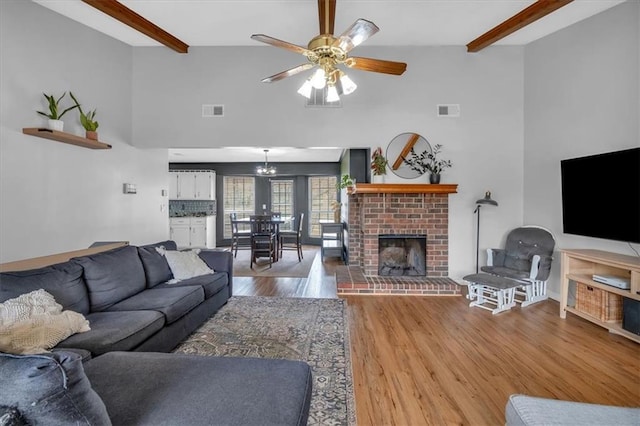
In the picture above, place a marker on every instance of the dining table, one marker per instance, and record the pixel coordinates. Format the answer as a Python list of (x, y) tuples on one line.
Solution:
[(277, 220)]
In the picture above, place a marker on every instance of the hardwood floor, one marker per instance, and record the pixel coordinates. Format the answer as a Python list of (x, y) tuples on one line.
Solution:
[(435, 361)]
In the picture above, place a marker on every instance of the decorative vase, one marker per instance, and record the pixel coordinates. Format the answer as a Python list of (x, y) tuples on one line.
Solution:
[(92, 134), (57, 125), (377, 178), (336, 216), (434, 178)]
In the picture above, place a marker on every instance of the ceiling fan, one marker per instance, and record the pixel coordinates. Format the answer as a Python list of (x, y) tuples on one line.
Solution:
[(327, 51)]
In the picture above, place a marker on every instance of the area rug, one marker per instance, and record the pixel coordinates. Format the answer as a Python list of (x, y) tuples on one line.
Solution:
[(287, 266), (312, 330)]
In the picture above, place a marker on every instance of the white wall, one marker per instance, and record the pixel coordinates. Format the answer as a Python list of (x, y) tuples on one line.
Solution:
[(581, 98), (56, 197), (485, 143)]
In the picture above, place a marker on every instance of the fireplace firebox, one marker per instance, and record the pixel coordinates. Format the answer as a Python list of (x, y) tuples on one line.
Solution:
[(402, 255)]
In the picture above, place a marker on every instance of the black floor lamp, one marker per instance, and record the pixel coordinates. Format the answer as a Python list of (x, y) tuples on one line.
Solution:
[(486, 200)]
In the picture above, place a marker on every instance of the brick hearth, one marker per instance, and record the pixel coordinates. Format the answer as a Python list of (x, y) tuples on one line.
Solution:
[(398, 209)]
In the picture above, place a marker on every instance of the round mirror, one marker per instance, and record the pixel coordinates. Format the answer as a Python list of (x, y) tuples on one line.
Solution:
[(401, 147)]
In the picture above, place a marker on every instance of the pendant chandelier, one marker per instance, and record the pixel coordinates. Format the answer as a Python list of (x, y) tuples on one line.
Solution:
[(266, 170)]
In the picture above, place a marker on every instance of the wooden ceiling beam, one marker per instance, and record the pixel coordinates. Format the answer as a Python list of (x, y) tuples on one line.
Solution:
[(520, 20), (127, 16)]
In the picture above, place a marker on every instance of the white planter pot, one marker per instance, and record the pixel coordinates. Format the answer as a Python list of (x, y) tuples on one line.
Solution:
[(377, 178), (57, 125)]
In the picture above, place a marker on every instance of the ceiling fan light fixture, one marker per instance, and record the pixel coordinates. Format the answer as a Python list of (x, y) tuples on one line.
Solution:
[(318, 79), (305, 89), (332, 94), (348, 86)]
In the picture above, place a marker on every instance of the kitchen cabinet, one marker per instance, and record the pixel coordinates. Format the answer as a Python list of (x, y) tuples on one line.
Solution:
[(193, 232), (192, 185)]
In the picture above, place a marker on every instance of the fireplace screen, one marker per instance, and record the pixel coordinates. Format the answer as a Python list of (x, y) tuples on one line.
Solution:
[(402, 255)]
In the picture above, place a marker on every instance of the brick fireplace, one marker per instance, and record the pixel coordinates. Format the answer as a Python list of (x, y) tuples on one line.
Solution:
[(407, 209)]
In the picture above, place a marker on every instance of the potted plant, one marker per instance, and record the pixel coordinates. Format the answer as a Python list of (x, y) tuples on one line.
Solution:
[(345, 182), (55, 122), (378, 165), (336, 206), (428, 161), (87, 120)]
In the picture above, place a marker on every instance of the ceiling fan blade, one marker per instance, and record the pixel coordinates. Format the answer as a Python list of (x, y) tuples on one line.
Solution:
[(288, 73), (376, 65), (358, 32), (326, 15), (280, 43)]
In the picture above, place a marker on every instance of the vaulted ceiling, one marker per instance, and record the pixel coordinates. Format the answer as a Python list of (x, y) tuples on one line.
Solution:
[(402, 23)]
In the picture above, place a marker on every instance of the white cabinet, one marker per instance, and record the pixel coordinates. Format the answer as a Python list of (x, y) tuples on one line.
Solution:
[(180, 231), (193, 232), (192, 185)]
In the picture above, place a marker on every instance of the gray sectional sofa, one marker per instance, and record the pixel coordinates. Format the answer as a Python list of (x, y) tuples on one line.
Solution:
[(116, 374), (126, 298)]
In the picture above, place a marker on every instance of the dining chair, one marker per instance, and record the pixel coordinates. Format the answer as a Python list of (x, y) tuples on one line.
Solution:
[(239, 237), (263, 238), (292, 240)]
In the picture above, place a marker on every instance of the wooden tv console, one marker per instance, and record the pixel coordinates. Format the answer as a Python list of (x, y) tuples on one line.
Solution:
[(579, 265)]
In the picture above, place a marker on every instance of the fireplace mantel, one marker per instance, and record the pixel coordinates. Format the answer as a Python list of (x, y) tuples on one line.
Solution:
[(403, 188)]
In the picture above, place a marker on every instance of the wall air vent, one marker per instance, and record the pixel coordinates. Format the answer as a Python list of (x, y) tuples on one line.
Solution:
[(209, 111), (449, 110)]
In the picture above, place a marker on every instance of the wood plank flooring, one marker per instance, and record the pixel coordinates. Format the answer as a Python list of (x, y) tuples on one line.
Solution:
[(435, 361)]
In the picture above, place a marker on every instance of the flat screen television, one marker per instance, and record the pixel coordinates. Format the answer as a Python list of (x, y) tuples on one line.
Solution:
[(601, 195)]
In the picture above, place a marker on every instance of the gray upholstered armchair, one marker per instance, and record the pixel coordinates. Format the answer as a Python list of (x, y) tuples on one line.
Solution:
[(526, 256)]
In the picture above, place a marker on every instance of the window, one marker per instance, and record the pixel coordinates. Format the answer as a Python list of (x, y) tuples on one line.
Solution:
[(239, 197), (322, 191), (282, 200)]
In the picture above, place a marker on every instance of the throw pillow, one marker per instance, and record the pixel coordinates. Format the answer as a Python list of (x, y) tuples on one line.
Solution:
[(34, 322), (28, 305), (186, 264), (50, 389)]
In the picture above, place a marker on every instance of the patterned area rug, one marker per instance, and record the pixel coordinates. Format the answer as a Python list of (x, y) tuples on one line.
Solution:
[(311, 330)]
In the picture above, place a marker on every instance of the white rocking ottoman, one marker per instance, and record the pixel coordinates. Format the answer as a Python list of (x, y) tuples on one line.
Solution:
[(493, 293)]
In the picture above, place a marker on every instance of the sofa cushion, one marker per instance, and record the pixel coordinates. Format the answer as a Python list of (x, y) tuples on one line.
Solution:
[(174, 303), (50, 389), (112, 276), (211, 283), (523, 410), (63, 281), (116, 331), (155, 265), (200, 390)]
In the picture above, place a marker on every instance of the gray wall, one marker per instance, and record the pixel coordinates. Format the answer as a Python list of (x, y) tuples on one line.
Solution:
[(581, 98), (485, 143), (56, 197)]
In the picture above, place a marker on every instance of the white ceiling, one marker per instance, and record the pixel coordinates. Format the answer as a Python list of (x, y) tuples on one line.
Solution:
[(401, 22), (236, 154)]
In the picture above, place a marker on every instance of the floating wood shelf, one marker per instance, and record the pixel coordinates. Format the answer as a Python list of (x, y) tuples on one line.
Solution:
[(403, 188), (65, 138)]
